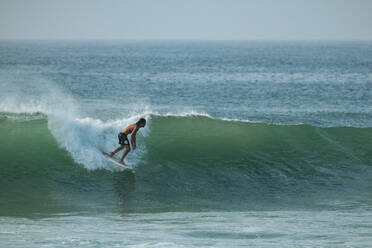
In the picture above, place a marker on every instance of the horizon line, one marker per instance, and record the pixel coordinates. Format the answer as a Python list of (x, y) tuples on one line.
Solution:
[(209, 40)]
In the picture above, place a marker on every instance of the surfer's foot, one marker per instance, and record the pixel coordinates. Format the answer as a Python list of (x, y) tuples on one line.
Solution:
[(122, 162), (112, 154)]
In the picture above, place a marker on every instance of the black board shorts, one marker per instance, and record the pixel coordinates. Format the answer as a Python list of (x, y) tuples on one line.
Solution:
[(123, 139)]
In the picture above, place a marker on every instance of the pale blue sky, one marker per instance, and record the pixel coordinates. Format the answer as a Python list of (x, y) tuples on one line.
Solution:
[(186, 19)]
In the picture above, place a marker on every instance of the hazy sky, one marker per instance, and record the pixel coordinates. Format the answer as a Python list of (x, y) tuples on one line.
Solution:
[(186, 19)]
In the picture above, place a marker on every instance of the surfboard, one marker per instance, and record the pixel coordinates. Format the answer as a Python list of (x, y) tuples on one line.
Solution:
[(113, 161)]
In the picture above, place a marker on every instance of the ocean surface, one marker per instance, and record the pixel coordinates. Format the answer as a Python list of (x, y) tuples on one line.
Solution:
[(247, 144)]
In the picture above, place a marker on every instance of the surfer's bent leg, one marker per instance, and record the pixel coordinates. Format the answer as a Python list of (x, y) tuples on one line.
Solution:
[(127, 149), (117, 149)]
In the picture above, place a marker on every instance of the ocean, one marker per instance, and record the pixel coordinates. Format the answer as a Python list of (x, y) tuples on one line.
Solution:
[(247, 144)]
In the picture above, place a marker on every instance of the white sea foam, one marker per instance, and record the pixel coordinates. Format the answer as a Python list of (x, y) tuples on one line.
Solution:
[(85, 139)]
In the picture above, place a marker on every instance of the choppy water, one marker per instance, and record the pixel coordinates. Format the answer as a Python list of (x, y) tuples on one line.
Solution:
[(248, 143)]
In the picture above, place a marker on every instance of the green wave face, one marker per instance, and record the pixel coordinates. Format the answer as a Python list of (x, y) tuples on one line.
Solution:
[(254, 164), (189, 163), (232, 143)]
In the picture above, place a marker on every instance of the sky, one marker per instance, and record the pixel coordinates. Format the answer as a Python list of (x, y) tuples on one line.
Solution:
[(186, 19)]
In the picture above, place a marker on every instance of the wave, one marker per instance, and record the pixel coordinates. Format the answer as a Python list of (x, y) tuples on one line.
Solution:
[(192, 138), (189, 155)]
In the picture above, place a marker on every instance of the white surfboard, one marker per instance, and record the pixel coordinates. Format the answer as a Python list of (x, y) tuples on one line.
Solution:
[(116, 163)]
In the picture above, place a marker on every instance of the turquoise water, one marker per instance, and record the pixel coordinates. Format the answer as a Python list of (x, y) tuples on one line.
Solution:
[(247, 144)]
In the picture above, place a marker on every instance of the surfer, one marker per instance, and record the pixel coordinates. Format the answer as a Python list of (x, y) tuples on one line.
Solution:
[(123, 139)]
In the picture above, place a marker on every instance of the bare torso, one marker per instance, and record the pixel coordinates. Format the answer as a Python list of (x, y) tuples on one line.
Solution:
[(129, 129)]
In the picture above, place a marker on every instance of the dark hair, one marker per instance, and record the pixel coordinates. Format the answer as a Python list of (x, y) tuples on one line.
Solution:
[(141, 121)]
